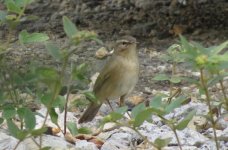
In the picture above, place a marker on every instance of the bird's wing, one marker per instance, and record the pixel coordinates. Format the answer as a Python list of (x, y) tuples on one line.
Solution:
[(106, 73)]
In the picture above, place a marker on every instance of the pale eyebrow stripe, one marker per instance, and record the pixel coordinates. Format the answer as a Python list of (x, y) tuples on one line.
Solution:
[(119, 41)]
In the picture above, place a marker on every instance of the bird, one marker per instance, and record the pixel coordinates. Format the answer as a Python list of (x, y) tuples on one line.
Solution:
[(117, 78)]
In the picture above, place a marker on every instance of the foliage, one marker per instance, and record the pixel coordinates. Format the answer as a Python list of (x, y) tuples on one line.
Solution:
[(211, 65), (40, 82), (45, 83), (12, 104)]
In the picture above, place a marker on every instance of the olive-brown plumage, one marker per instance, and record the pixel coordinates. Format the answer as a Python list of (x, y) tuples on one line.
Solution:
[(118, 77)]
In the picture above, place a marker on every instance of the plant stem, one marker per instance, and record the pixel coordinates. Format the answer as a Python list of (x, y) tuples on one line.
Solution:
[(224, 94), (56, 90), (178, 140), (68, 90), (171, 125), (171, 83), (38, 145), (208, 100), (140, 134), (66, 108), (17, 145)]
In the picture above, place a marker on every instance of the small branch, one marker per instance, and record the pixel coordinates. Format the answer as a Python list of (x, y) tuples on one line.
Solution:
[(38, 145), (208, 100), (140, 134), (224, 94), (17, 145), (66, 108), (178, 140)]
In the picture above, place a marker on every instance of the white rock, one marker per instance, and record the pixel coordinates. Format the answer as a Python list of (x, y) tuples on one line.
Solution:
[(8, 142), (183, 148), (187, 136), (84, 145), (122, 139), (114, 145)]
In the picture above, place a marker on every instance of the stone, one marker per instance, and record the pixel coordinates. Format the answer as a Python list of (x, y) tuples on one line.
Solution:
[(84, 145)]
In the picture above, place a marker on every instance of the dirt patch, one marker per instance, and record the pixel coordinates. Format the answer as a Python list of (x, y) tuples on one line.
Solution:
[(154, 23)]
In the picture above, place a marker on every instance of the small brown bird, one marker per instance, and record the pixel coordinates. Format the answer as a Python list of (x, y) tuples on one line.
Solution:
[(118, 77)]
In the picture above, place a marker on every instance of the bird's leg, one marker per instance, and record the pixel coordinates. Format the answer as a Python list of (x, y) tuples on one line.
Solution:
[(122, 98), (109, 104)]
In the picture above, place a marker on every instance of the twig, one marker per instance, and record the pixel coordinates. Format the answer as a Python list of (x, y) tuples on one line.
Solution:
[(208, 100), (17, 145)]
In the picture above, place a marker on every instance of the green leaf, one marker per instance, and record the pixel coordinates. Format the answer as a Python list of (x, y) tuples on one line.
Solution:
[(79, 72), (58, 102), (46, 99), (54, 116), (14, 130), (116, 116), (121, 110), (157, 111), (73, 128), (190, 80), (185, 44), (8, 112), (216, 49), (83, 35), (188, 51), (161, 77), (69, 27), (21, 113), (26, 38), (46, 148), (97, 40), (12, 7), (38, 132), (142, 116), (156, 102), (50, 77), (30, 120), (2, 97), (175, 79), (215, 80), (2, 16), (91, 97), (174, 104), (54, 51), (137, 109), (112, 117), (23, 3), (218, 58), (47, 73), (30, 18), (183, 124), (162, 142), (200, 48), (1, 120), (84, 130)]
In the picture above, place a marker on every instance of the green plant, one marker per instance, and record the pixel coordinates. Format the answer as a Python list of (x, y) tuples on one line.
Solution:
[(12, 103), (212, 64), (42, 83), (171, 57), (141, 113)]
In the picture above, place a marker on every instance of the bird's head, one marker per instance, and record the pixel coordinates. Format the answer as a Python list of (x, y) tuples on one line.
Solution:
[(125, 45)]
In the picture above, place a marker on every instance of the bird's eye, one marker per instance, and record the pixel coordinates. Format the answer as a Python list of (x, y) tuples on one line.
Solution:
[(124, 43)]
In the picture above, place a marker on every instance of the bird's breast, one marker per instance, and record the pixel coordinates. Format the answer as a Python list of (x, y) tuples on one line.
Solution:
[(126, 79), (121, 80)]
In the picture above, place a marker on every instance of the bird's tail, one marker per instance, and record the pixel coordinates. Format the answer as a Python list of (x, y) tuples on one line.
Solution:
[(90, 113)]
